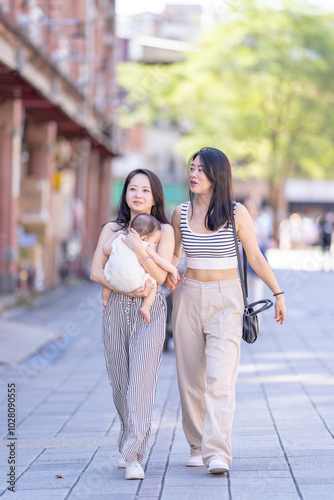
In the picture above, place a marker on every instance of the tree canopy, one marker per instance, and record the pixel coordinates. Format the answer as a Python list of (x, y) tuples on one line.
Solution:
[(259, 87)]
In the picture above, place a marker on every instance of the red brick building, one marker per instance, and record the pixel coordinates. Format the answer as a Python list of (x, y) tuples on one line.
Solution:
[(57, 133)]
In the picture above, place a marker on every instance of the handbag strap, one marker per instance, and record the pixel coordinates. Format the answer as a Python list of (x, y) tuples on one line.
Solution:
[(242, 274)]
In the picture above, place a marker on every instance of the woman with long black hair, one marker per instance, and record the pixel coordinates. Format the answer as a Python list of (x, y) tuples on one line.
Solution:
[(132, 347), (208, 306)]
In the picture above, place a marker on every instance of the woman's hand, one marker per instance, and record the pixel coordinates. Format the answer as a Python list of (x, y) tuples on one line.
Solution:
[(133, 240), (143, 291), (172, 280), (106, 294), (280, 309)]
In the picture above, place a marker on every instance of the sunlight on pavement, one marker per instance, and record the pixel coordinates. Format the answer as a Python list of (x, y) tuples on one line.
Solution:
[(310, 378), (312, 259), (260, 367)]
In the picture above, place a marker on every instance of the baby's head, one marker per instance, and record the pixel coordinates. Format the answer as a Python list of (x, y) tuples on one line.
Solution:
[(148, 228)]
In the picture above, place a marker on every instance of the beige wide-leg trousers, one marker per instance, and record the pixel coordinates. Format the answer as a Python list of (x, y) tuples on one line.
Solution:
[(207, 329)]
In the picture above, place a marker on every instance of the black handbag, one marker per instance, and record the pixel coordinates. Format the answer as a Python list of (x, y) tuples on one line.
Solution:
[(250, 322)]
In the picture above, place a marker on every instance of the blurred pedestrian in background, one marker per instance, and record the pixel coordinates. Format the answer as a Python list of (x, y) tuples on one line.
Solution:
[(326, 224)]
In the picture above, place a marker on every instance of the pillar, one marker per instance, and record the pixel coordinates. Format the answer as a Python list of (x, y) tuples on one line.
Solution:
[(81, 149), (105, 191), (41, 140), (92, 201), (10, 171)]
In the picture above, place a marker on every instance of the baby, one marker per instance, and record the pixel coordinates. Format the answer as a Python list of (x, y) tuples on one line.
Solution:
[(123, 270)]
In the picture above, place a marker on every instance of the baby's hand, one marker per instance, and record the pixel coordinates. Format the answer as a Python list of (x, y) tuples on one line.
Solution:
[(176, 275)]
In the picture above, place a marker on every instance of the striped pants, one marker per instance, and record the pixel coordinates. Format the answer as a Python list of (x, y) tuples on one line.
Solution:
[(132, 351)]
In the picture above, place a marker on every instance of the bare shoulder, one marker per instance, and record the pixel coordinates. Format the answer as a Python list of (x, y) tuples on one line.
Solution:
[(177, 210), (166, 230), (112, 226), (176, 217), (242, 216), (109, 229), (241, 211)]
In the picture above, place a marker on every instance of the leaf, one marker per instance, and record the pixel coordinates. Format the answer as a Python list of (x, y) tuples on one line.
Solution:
[(59, 476)]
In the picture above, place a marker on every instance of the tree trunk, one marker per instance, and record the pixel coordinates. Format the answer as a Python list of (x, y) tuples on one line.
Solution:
[(278, 205)]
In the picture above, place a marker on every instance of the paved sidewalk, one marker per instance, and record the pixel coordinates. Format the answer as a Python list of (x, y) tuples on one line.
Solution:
[(283, 431)]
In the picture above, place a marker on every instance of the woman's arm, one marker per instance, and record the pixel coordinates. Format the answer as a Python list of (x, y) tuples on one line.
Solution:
[(163, 263), (245, 230), (100, 259), (176, 221), (170, 282), (107, 244), (165, 250)]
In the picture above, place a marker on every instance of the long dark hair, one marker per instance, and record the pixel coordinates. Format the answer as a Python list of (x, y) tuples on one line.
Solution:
[(158, 209), (217, 168)]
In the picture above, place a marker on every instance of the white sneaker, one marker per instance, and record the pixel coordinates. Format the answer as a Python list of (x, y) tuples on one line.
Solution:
[(134, 471), (195, 461), (121, 463), (217, 466)]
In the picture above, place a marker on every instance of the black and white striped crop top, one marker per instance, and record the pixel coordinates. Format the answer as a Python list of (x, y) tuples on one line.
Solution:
[(208, 251)]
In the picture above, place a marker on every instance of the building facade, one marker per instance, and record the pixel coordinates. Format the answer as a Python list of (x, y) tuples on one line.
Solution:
[(156, 39), (57, 135)]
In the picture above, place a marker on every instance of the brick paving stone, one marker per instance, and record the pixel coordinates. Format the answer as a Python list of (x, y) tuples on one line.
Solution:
[(283, 434), (188, 493), (55, 494), (320, 492)]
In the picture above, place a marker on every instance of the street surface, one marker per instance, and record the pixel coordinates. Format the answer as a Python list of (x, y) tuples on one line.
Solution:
[(66, 424)]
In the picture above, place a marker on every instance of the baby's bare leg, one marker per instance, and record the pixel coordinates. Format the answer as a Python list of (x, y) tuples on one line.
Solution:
[(106, 292), (147, 303)]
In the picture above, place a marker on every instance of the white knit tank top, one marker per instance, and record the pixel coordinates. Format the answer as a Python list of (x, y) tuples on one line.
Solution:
[(214, 250)]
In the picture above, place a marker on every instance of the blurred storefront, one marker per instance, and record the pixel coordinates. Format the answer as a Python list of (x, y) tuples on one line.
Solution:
[(57, 136), (306, 209), (310, 205), (309, 196)]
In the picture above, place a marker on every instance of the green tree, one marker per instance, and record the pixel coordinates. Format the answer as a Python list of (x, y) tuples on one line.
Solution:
[(260, 87)]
